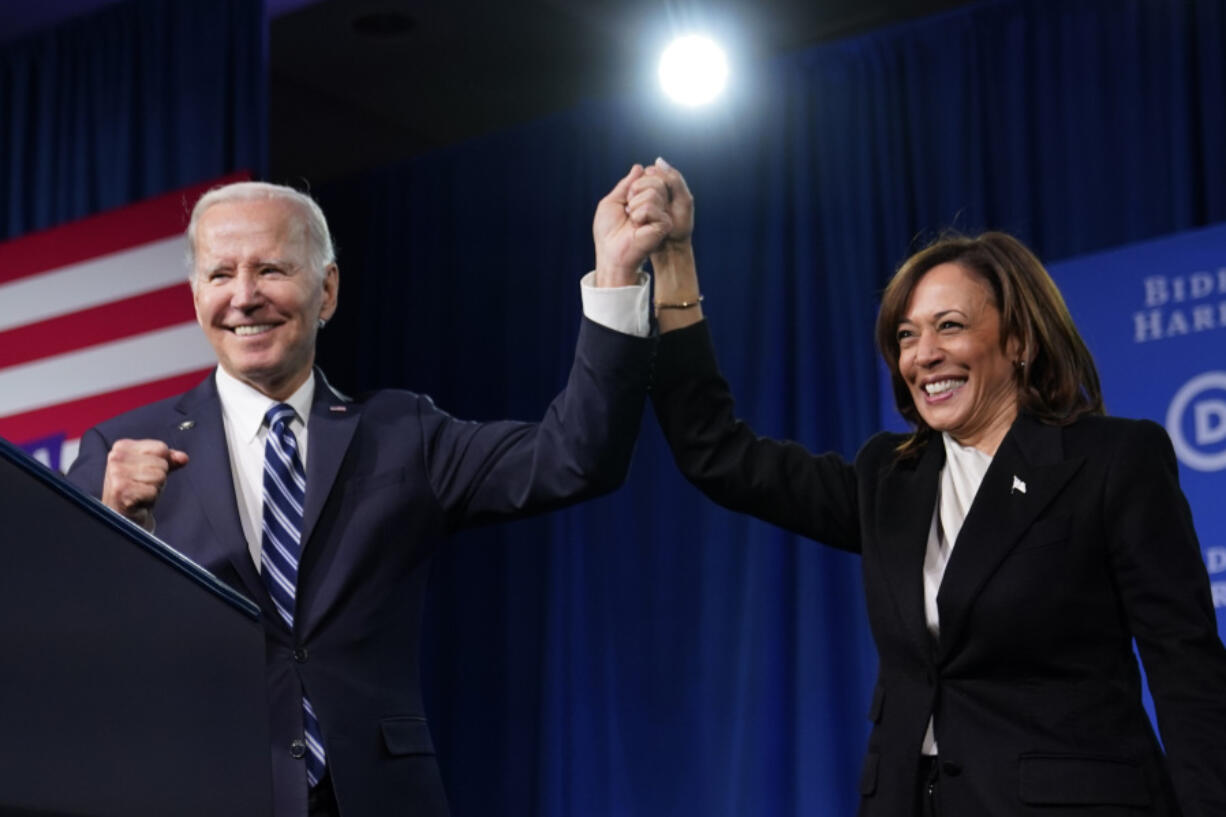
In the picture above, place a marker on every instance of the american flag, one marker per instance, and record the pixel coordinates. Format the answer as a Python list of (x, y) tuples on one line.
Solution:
[(96, 318)]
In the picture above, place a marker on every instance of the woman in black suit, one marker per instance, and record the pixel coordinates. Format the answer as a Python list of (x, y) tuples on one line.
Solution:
[(1013, 546)]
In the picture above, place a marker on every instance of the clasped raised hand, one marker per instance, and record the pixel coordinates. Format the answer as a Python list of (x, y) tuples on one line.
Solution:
[(631, 222)]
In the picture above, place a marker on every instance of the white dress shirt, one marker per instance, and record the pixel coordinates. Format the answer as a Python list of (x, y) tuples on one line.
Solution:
[(624, 309), (242, 413), (959, 482)]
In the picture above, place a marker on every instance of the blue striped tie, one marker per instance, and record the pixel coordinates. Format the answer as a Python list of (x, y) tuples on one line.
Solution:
[(281, 546)]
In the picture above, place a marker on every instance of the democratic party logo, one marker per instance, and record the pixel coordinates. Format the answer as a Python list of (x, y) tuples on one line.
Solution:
[(1196, 421)]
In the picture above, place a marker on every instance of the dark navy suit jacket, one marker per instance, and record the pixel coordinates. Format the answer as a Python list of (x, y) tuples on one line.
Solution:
[(1079, 541), (388, 477)]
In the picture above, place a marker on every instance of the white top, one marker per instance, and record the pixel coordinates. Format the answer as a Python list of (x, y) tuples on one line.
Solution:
[(959, 482)]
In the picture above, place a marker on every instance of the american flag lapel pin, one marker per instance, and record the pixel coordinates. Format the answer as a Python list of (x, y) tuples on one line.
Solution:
[(1019, 487), (341, 409)]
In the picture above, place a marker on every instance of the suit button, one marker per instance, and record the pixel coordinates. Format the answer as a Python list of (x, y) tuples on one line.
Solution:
[(951, 769), (297, 748), (301, 654)]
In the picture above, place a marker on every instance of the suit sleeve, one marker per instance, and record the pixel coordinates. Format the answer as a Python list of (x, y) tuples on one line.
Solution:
[(89, 468), (481, 472), (777, 481), (1165, 591)]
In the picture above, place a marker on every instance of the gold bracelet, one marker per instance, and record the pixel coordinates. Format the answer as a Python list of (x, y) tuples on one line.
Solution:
[(681, 305)]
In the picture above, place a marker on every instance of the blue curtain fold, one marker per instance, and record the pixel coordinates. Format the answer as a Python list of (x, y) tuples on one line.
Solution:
[(649, 653), (130, 101)]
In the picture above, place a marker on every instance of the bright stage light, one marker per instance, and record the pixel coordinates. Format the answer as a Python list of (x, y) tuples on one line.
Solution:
[(693, 70)]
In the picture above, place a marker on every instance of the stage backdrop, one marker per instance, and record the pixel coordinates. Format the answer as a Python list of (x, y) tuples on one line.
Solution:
[(650, 653), (126, 102), (1154, 315), (96, 318)]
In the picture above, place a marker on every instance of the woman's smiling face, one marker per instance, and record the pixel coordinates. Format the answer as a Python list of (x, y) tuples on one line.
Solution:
[(960, 375)]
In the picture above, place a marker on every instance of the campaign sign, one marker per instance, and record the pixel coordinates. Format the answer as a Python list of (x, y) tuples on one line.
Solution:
[(1154, 317)]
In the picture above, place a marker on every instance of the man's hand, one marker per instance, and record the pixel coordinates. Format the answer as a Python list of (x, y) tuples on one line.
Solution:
[(136, 472), (630, 224)]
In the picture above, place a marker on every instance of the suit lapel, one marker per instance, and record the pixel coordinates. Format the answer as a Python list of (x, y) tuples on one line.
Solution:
[(201, 434), (333, 421), (909, 493), (1027, 473)]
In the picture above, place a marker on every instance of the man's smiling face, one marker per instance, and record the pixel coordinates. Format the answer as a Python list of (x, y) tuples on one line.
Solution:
[(257, 296)]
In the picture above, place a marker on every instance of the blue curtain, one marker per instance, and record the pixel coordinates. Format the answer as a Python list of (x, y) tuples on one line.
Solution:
[(649, 653), (130, 101)]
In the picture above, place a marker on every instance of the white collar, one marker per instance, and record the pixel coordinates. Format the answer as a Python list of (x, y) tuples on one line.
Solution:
[(244, 407)]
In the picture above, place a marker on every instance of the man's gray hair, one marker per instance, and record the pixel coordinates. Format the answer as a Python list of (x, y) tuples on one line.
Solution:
[(320, 252)]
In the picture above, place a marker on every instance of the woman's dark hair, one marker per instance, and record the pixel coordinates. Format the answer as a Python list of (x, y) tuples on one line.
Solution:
[(1056, 378)]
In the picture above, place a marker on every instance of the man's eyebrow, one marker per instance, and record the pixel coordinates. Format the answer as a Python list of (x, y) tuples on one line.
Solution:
[(283, 263)]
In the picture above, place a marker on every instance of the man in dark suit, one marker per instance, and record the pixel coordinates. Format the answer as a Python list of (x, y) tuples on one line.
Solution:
[(326, 510)]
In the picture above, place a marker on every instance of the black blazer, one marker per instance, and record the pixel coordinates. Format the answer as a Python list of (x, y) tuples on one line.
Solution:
[(388, 477), (1034, 684)]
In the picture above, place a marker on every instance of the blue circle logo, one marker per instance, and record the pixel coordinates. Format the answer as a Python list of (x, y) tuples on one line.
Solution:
[(1196, 421)]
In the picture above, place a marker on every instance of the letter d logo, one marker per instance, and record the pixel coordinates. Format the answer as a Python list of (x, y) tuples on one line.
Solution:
[(1208, 424)]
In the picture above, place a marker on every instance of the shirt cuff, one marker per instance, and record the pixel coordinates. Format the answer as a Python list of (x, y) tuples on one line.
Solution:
[(622, 309)]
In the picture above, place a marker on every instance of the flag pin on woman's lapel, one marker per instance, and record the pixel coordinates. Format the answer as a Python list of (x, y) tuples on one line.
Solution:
[(1019, 487)]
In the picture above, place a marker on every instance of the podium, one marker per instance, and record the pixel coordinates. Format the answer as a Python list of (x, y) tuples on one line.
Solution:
[(131, 680)]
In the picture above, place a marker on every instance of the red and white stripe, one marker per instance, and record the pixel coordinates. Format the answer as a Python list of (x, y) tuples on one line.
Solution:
[(96, 318)]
